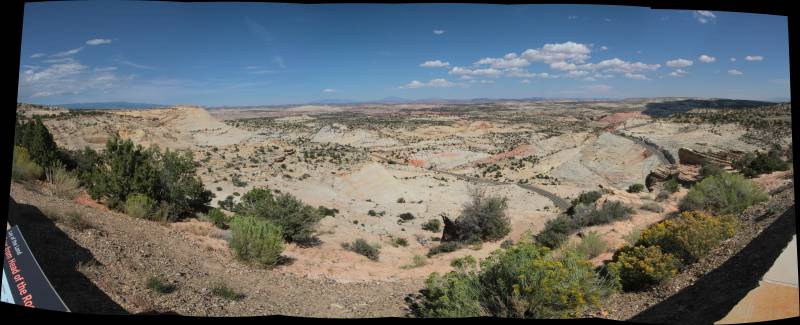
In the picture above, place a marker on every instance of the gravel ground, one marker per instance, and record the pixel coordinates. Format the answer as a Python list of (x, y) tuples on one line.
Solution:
[(101, 265)]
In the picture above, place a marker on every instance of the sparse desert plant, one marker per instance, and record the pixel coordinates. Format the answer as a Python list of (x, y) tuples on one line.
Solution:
[(416, 261), (399, 241), (361, 246), (453, 295), (464, 263), (689, 236), (585, 198), (662, 196), (556, 231), (633, 236), (220, 289), (160, 286), (639, 267), (709, 169), (401, 200), (139, 205), (635, 188), (22, 167), (611, 211), (327, 212), (722, 194), (256, 239), (652, 206), (74, 219), (433, 225), (591, 245)]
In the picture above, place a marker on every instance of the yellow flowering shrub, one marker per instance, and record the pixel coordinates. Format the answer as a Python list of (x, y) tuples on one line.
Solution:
[(690, 236), (639, 267)]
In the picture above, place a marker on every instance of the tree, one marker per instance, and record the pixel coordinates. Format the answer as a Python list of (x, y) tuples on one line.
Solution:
[(34, 136), (179, 185)]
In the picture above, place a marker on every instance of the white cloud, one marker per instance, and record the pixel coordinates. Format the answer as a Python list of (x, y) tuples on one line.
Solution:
[(37, 55), (105, 69), (572, 17), (68, 52), (488, 72), (706, 58), (438, 32), (484, 81), (519, 73), (754, 58), (525, 81), (678, 73), (98, 41), (433, 83), (636, 76), (577, 73), (607, 20), (604, 48), (509, 61), (679, 63), (563, 66), (66, 77), (135, 65), (329, 90), (733, 59), (435, 64), (735, 72), (617, 65), (550, 53), (704, 16)]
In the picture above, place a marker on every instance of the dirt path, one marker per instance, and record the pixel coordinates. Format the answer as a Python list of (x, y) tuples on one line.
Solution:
[(557, 200), (101, 265), (649, 147)]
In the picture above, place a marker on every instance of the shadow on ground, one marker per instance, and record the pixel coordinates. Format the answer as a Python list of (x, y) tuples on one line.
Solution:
[(715, 294), (58, 256)]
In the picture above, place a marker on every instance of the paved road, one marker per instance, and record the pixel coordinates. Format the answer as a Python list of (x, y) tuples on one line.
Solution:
[(557, 200)]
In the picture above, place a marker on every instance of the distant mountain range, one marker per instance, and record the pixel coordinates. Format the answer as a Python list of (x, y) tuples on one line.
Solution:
[(102, 105)]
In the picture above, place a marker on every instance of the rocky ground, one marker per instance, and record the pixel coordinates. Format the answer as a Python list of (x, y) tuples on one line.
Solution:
[(101, 263)]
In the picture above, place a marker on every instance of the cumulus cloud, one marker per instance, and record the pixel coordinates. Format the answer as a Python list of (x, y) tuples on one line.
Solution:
[(735, 72), (704, 16), (434, 64), (754, 58), (438, 32), (678, 73), (577, 73), (433, 83), (329, 90), (98, 41), (617, 65), (706, 58), (67, 52), (679, 63), (487, 72), (508, 61), (636, 76), (551, 53)]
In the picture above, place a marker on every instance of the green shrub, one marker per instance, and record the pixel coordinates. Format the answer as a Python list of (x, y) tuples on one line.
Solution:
[(445, 247), (433, 225), (556, 231), (297, 219), (362, 247), (372, 213), (722, 194), (218, 218), (37, 141), (406, 216), (22, 167), (759, 163), (454, 295), (690, 236), (327, 212), (633, 236), (585, 198), (591, 245), (611, 211), (639, 267), (483, 219), (464, 263), (672, 185), (635, 188), (139, 206), (709, 169), (256, 239), (401, 200), (74, 219), (159, 286)]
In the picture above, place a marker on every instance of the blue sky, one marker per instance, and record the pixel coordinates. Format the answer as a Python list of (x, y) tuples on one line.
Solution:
[(254, 53)]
